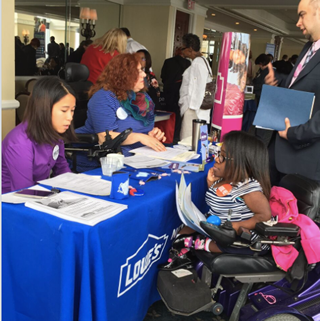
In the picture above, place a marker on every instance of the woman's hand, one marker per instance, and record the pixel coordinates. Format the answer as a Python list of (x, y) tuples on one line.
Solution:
[(158, 134), (152, 142), (211, 178)]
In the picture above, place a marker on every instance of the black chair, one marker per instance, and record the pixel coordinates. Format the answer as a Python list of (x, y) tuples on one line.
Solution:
[(76, 76)]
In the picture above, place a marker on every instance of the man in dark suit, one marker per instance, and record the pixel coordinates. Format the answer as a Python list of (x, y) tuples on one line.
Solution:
[(53, 48), (297, 149), (171, 75)]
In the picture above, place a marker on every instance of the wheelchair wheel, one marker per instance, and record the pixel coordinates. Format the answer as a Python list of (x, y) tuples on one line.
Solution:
[(217, 308), (283, 317)]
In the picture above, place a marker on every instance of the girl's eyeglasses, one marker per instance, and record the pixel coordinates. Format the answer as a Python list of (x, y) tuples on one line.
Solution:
[(220, 158)]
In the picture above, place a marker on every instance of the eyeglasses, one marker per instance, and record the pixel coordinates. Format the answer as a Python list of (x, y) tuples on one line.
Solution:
[(143, 59), (220, 158)]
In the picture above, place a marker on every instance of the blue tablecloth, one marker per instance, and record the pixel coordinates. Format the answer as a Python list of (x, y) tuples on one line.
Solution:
[(53, 269)]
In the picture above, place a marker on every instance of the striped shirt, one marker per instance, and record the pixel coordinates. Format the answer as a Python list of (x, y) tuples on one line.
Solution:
[(220, 206)]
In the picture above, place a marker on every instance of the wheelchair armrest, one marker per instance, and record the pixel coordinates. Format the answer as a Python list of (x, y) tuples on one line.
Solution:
[(280, 229), (88, 138)]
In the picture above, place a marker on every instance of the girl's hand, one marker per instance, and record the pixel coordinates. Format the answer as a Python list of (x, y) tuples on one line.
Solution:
[(211, 178), (158, 134)]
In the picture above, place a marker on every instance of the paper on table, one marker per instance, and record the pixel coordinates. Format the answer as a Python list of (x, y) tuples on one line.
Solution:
[(170, 154), (140, 161), (77, 208), (80, 183), (11, 198)]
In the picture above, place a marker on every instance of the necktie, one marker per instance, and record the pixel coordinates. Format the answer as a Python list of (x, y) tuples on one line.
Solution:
[(309, 56)]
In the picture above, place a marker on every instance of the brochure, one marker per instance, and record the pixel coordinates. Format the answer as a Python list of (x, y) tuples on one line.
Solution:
[(189, 214), (77, 208)]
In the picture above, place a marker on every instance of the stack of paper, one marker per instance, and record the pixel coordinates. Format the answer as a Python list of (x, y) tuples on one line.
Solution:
[(171, 154), (78, 208), (81, 183), (140, 161)]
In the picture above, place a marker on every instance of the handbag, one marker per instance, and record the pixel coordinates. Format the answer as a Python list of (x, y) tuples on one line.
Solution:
[(209, 92)]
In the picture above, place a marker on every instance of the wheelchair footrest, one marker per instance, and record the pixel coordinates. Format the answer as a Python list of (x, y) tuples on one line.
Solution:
[(182, 290), (280, 229)]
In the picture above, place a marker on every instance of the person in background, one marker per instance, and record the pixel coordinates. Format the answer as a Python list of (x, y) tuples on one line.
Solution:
[(62, 53), (241, 168), (18, 56), (29, 57), (53, 48), (296, 150), (193, 85), (42, 27), (282, 65), (132, 45), (270, 58), (102, 50), (118, 101), (250, 70), (150, 80), (76, 55), (36, 146), (171, 75)]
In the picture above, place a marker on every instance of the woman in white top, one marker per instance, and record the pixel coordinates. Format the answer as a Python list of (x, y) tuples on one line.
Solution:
[(193, 86)]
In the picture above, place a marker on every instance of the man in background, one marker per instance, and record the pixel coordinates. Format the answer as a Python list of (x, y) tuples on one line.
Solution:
[(53, 48), (132, 45)]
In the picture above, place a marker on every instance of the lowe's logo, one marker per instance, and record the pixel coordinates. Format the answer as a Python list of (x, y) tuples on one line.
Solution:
[(138, 265)]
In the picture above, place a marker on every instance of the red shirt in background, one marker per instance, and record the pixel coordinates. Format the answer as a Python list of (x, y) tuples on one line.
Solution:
[(95, 59)]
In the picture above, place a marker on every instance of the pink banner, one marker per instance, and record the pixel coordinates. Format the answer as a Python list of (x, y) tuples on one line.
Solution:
[(231, 83)]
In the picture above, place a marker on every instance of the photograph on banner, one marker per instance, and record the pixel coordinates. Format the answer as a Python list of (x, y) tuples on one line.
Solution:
[(237, 73), (40, 33)]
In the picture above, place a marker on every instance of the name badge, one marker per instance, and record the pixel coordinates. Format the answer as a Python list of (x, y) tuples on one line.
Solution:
[(55, 152), (224, 190), (121, 113)]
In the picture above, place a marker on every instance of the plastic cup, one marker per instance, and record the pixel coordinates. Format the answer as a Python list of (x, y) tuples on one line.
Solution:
[(107, 166)]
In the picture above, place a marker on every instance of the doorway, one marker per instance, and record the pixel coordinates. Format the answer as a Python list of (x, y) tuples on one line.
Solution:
[(181, 28)]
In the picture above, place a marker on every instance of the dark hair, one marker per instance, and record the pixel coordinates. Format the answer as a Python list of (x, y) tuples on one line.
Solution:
[(191, 40), (270, 57), (52, 38), (249, 159), (284, 57), (46, 92), (126, 31), (119, 76), (262, 59), (35, 42), (148, 60)]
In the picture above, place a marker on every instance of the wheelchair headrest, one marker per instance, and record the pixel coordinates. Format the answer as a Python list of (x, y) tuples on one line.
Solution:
[(76, 72), (306, 191)]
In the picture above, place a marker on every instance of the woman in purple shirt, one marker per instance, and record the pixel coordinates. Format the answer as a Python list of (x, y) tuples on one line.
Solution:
[(36, 146)]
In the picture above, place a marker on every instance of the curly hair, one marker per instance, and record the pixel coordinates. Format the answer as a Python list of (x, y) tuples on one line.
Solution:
[(119, 76)]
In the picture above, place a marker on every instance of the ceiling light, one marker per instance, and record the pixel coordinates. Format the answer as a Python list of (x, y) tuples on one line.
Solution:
[(237, 23), (213, 14), (255, 29)]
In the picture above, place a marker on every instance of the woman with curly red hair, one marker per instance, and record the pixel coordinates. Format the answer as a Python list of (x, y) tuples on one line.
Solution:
[(117, 102)]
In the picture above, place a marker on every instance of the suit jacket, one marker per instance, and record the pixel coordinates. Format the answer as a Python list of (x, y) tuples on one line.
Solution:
[(301, 152)]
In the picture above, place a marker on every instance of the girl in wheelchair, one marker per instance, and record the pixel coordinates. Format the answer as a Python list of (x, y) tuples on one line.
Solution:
[(238, 183)]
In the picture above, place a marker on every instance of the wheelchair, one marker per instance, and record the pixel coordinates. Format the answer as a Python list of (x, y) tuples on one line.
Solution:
[(252, 288), (88, 144)]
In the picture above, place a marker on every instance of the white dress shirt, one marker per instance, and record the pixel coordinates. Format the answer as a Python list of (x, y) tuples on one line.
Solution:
[(133, 46)]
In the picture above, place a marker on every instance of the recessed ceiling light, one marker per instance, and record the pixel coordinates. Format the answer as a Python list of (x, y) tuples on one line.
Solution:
[(213, 14), (237, 23), (255, 29)]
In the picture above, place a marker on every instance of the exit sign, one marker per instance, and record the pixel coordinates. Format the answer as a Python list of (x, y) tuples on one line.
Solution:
[(191, 4)]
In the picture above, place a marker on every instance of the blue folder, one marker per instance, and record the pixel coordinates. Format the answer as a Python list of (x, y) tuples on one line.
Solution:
[(277, 103)]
